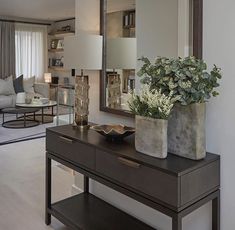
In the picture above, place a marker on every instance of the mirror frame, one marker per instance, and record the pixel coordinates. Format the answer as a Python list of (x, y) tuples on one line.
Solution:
[(197, 48)]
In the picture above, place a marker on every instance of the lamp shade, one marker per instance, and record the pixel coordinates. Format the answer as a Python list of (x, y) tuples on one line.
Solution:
[(83, 51), (121, 53), (47, 77)]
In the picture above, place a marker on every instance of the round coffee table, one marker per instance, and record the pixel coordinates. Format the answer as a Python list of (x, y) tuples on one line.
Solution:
[(22, 122), (43, 118)]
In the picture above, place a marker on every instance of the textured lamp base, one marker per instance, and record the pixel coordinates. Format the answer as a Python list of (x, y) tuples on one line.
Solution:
[(81, 122), (81, 101)]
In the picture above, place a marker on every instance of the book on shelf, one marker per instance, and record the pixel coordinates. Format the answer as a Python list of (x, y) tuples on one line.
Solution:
[(126, 20)]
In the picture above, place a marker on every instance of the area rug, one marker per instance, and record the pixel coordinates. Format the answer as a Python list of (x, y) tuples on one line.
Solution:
[(8, 136)]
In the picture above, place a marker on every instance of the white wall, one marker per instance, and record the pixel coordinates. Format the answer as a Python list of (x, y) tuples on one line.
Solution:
[(219, 47)]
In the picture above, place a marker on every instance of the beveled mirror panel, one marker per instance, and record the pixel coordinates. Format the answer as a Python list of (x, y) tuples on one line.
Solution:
[(136, 28)]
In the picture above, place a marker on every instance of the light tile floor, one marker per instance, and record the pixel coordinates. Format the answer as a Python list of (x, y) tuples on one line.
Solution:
[(22, 179)]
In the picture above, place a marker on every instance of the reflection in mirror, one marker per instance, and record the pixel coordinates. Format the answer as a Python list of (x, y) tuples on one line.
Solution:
[(120, 52), (159, 27)]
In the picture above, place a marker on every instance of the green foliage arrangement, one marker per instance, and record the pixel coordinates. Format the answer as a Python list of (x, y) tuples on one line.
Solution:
[(151, 103), (187, 77)]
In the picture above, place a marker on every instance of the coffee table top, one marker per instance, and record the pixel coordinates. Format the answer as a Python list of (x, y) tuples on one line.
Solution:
[(18, 110), (37, 105)]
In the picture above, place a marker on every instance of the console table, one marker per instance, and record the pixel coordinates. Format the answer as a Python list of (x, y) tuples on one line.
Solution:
[(174, 186)]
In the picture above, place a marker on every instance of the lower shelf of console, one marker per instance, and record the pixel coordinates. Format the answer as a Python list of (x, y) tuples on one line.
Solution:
[(87, 212)]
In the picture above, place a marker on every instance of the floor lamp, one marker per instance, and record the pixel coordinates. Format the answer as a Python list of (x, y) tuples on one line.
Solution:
[(83, 52)]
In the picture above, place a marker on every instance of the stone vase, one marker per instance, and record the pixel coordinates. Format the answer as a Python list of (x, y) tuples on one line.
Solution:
[(186, 131), (151, 136)]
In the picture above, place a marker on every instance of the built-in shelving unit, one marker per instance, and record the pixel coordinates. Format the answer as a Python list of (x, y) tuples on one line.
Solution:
[(129, 23), (55, 68), (62, 33), (56, 50), (56, 34), (128, 31)]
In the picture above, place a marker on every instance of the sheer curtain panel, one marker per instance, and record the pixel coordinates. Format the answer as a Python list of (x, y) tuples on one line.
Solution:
[(31, 50), (7, 49)]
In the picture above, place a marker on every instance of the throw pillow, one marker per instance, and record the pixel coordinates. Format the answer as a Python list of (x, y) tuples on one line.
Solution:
[(18, 84), (29, 85), (6, 86)]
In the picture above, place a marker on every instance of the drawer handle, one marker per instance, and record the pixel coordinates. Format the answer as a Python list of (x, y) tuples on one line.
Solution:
[(67, 140), (128, 162)]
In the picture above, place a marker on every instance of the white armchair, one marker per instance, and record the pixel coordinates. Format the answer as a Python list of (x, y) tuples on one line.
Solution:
[(42, 89)]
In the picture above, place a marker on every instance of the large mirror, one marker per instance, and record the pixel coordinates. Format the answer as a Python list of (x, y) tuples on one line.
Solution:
[(136, 28)]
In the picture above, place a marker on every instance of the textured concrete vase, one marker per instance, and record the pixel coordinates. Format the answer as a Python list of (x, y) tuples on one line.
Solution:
[(186, 131), (151, 136)]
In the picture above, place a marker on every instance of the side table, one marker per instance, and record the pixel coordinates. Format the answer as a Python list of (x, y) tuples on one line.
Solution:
[(20, 122)]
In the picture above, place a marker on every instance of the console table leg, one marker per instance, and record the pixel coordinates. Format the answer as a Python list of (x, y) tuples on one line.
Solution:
[(48, 191), (176, 223), (216, 213), (25, 120), (86, 184)]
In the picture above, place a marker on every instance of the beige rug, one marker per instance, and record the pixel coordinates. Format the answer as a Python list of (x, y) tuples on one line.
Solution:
[(8, 136)]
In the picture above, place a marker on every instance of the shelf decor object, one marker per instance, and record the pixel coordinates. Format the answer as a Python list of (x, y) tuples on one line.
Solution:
[(113, 132), (83, 52), (189, 79)]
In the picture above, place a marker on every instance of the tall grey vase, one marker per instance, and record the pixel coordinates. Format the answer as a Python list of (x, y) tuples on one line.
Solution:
[(151, 136), (186, 131)]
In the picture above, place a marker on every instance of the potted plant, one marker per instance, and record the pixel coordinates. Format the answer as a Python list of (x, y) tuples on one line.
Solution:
[(189, 78), (152, 109)]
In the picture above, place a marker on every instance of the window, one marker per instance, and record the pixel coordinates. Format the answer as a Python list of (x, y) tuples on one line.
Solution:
[(30, 45)]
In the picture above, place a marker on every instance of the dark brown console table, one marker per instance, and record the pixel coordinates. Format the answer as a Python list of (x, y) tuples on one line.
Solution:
[(175, 186)]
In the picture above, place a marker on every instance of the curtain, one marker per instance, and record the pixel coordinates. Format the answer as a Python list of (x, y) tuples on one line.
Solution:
[(31, 50), (7, 49)]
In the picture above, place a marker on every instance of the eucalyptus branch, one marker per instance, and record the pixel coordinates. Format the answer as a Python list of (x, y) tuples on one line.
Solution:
[(187, 77)]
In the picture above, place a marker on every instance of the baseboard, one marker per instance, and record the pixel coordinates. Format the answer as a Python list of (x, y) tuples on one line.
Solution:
[(21, 140), (76, 190)]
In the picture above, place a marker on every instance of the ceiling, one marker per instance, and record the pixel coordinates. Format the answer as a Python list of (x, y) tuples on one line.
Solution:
[(52, 10), (38, 9)]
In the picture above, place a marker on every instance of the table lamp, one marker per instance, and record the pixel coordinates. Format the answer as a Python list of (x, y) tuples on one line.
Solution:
[(83, 52), (47, 77)]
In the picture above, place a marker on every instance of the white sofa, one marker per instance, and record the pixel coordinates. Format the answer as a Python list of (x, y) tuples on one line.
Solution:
[(41, 89)]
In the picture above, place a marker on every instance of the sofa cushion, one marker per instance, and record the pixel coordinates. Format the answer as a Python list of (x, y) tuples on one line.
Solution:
[(18, 84), (29, 85), (7, 101), (43, 89), (6, 86)]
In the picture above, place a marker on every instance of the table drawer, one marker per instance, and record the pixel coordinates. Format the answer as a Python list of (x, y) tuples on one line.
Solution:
[(154, 183), (199, 182), (70, 149)]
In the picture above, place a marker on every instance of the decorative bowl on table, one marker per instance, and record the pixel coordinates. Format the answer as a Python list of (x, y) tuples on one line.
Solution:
[(114, 132)]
